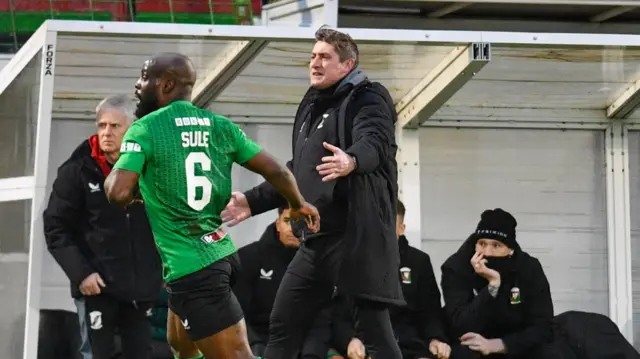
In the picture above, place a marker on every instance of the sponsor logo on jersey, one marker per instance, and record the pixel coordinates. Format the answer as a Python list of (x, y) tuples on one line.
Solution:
[(192, 121), (214, 236), (130, 147)]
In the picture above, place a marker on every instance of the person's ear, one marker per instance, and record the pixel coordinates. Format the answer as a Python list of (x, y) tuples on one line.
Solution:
[(168, 85)]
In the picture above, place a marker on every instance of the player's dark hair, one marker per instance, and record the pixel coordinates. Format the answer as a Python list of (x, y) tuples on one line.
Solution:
[(281, 209)]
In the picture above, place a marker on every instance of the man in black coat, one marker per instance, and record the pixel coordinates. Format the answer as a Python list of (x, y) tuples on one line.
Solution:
[(497, 297), (262, 267), (108, 253), (344, 161), (418, 325)]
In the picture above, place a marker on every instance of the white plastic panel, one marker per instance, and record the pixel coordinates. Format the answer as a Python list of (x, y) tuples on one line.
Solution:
[(634, 188), (551, 181), (15, 219), (18, 118)]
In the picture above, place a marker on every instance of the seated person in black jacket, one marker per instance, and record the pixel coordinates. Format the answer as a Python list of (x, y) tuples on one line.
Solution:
[(418, 326), (262, 266), (497, 297)]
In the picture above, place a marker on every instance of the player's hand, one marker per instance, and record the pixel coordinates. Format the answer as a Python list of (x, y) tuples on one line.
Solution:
[(439, 349), (339, 164), (92, 285), (237, 210), (310, 215)]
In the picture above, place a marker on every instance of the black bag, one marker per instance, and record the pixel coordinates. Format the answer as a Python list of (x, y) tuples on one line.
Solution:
[(593, 336)]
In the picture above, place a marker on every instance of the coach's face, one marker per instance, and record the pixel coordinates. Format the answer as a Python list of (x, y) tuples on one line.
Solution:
[(146, 91), (325, 68), (112, 125)]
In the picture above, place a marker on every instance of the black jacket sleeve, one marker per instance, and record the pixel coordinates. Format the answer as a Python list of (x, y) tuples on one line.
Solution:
[(264, 197), (464, 312), (539, 315), (245, 280), (430, 315), (343, 329), (61, 229), (372, 133)]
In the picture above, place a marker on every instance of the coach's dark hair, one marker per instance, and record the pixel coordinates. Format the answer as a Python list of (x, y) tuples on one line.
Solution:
[(345, 47), (400, 208)]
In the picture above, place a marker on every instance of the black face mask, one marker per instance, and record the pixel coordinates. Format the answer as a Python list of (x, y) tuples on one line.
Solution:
[(500, 264)]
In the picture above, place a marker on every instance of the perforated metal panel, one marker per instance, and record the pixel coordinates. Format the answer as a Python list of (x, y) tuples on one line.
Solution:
[(553, 183)]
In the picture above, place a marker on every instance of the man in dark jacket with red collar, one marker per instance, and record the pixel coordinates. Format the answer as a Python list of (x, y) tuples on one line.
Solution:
[(344, 152), (108, 253), (497, 297)]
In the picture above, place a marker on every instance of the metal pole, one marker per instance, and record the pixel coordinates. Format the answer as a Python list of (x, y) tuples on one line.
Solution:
[(171, 11), (13, 25), (91, 9), (213, 21), (132, 14)]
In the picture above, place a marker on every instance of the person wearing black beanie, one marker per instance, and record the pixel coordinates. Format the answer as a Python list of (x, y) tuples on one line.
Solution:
[(497, 297)]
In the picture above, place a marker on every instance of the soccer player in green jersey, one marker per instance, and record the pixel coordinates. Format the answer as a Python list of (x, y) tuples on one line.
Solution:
[(181, 157)]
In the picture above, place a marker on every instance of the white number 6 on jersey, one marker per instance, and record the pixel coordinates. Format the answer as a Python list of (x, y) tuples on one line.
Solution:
[(193, 181)]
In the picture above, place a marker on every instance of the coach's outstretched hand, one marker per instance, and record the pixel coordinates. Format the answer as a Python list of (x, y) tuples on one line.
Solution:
[(237, 210), (310, 215)]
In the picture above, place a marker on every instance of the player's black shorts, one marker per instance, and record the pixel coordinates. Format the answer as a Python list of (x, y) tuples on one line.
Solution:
[(204, 301)]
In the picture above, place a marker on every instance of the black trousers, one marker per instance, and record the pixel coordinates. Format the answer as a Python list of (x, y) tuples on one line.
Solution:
[(59, 335), (307, 288), (107, 316)]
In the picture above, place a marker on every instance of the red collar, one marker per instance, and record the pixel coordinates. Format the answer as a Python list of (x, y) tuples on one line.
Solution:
[(98, 155)]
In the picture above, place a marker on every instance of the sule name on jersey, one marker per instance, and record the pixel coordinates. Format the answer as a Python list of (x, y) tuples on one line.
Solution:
[(194, 138)]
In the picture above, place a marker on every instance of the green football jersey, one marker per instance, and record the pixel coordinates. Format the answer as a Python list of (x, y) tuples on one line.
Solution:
[(184, 157)]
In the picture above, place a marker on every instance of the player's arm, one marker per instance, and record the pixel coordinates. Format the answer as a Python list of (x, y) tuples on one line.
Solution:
[(279, 176), (252, 157), (249, 155), (264, 197), (121, 184)]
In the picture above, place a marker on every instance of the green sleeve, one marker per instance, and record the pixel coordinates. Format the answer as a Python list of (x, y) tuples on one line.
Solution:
[(245, 148), (135, 150)]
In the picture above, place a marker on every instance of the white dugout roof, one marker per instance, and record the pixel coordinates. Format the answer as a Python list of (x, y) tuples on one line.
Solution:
[(255, 74)]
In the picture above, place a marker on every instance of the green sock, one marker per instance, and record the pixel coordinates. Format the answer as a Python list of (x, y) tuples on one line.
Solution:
[(199, 356)]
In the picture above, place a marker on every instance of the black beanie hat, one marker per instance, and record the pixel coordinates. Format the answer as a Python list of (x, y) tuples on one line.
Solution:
[(498, 224)]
